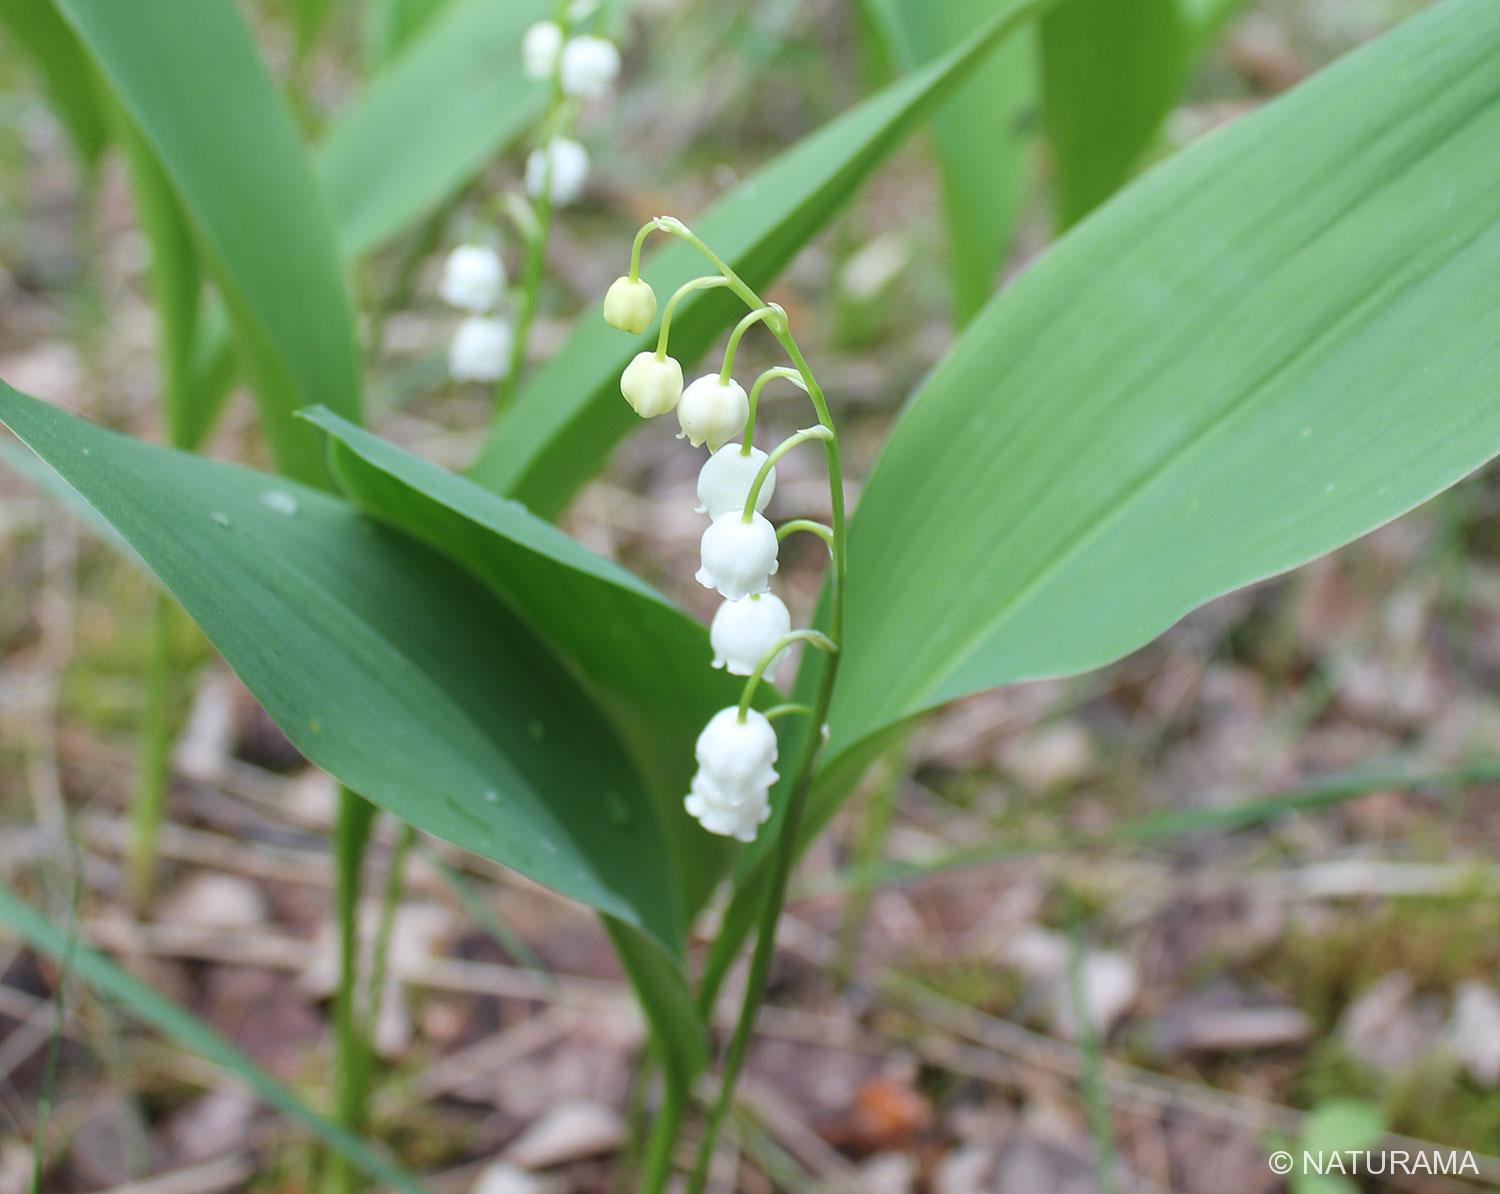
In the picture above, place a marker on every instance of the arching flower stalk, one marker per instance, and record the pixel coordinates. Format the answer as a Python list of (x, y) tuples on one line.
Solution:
[(751, 633)]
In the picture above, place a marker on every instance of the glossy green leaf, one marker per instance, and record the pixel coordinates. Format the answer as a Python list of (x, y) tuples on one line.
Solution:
[(177, 1022), (982, 134), (570, 414), (645, 661), (1111, 71), (431, 121), (1267, 346), (191, 79), (1275, 342), (72, 87), (385, 664)]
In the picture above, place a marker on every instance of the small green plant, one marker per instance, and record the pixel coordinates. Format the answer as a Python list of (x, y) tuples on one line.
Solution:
[(1269, 344)]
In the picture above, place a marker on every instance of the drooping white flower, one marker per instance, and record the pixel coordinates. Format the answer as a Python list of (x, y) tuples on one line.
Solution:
[(630, 305), (569, 171), (737, 813), (738, 557), (725, 479), (744, 630), (589, 67), (652, 386), (540, 46), (713, 411), (735, 753), (480, 350), (730, 794), (473, 277)]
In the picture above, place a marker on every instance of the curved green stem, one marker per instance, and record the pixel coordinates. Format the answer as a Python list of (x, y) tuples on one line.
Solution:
[(773, 374), (816, 637), (776, 453), (635, 250), (789, 709), (771, 315), (821, 530), (707, 282)]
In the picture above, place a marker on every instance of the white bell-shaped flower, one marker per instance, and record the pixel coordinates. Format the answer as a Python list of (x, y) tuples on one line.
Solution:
[(735, 813), (540, 46), (713, 411), (473, 278), (725, 479), (569, 171), (744, 630), (738, 557), (480, 350), (590, 66), (652, 386), (737, 754), (630, 305)]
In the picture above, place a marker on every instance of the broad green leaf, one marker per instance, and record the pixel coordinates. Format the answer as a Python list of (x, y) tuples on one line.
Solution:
[(192, 81), (70, 81), (1269, 345), (431, 121), (386, 665), (679, 1030), (1111, 71), (570, 414), (982, 134), (1275, 342), (99, 973), (645, 661)]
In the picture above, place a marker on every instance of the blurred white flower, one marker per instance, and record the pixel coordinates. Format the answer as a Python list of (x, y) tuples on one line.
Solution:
[(569, 170), (725, 479), (480, 350), (590, 66), (540, 46), (713, 411), (473, 278), (630, 305), (738, 557), (581, 10), (651, 386), (733, 812), (744, 630)]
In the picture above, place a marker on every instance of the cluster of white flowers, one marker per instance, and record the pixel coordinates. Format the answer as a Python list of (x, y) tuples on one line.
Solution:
[(584, 67), (752, 629), (474, 281)]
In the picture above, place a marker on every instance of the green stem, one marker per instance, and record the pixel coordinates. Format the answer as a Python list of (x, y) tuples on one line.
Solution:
[(707, 282), (635, 249), (154, 746), (822, 530), (770, 314), (816, 637), (658, 1167), (786, 710), (779, 372), (390, 901), (352, 1062), (776, 453)]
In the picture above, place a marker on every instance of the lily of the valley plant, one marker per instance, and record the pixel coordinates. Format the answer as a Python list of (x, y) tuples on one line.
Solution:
[(1271, 342)]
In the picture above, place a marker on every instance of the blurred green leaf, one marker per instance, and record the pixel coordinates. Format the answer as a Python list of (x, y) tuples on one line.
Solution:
[(391, 24), (644, 660), (982, 134), (570, 413), (1336, 1126), (431, 121), (181, 1025), (193, 83), (385, 664), (71, 84), (1111, 71)]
